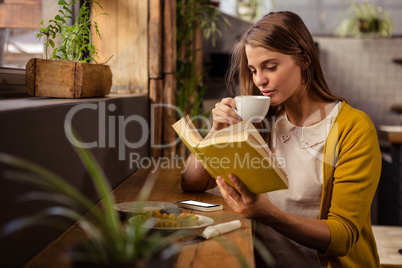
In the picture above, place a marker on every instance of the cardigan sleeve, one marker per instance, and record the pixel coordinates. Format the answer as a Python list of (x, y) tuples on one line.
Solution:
[(355, 178)]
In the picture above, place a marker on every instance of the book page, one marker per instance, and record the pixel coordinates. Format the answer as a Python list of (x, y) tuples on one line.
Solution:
[(233, 133), (193, 134), (187, 131)]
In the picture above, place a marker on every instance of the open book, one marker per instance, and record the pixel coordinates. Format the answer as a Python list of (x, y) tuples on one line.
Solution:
[(238, 149)]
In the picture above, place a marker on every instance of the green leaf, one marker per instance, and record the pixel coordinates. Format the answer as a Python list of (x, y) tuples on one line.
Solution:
[(51, 43), (101, 184), (67, 9), (58, 18), (79, 34), (25, 222), (99, 5)]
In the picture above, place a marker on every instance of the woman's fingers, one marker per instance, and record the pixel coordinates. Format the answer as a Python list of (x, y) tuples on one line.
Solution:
[(242, 200), (229, 102), (227, 105), (241, 188), (224, 187), (223, 114), (249, 199), (228, 193), (234, 198)]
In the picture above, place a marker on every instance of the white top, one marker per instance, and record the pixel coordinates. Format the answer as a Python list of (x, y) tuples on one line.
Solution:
[(299, 150)]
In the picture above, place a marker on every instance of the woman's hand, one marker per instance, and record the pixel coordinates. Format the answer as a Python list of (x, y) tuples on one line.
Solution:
[(223, 114), (311, 233), (243, 201)]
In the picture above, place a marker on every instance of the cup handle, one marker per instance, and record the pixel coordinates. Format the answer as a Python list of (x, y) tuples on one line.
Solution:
[(236, 111)]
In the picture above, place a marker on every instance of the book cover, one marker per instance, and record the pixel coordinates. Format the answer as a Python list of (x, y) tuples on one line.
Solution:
[(238, 149)]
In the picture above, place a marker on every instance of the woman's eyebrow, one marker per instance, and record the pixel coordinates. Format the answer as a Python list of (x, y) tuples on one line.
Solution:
[(262, 63)]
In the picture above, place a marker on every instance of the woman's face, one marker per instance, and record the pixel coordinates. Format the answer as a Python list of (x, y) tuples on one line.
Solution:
[(275, 74)]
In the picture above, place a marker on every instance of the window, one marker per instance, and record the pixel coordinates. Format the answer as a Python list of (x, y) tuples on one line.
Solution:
[(19, 21), (19, 45)]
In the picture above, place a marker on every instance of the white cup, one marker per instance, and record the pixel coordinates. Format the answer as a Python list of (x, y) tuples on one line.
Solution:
[(252, 108)]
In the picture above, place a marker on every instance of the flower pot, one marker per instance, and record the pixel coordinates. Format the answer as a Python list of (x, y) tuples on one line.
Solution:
[(366, 26), (67, 79)]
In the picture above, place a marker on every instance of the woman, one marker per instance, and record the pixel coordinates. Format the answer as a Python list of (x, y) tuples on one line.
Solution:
[(329, 149)]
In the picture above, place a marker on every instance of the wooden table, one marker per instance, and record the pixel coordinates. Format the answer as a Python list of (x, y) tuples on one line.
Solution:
[(208, 253), (389, 241), (392, 134)]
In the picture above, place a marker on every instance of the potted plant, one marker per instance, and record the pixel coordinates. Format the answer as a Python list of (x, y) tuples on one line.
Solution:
[(69, 72), (247, 9), (110, 239), (366, 20)]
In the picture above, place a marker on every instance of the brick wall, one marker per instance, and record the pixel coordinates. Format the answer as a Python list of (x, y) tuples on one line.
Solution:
[(362, 71)]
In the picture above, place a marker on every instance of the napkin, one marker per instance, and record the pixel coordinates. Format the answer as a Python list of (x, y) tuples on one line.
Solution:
[(222, 228)]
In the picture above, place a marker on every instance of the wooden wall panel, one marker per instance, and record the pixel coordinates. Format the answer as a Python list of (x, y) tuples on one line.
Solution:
[(156, 98), (169, 70), (107, 46), (169, 36), (125, 37), (141, 36), (155, 38), (169, 114), (21, 15), (133, 44)]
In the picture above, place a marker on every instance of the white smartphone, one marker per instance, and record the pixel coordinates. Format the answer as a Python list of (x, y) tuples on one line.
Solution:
[(198, 205)]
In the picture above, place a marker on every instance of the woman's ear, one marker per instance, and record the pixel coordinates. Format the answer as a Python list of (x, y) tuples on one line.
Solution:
[(307, 61)]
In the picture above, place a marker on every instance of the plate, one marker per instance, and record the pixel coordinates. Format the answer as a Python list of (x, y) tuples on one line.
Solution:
[(142, 207), (203, 221)]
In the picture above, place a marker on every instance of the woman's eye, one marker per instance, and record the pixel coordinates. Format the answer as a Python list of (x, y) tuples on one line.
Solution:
[(273, 68), (253, 71)]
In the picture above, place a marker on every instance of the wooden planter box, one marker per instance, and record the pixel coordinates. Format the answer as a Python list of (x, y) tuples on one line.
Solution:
[(67, 79)]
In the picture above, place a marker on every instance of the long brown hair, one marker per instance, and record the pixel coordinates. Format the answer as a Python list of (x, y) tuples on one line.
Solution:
[(283, 32)]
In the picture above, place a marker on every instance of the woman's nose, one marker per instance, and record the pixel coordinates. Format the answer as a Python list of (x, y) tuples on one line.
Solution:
[(260, 79)]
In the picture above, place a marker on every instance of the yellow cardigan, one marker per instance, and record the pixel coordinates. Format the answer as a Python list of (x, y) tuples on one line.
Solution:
[(352, 167), (351, 171)]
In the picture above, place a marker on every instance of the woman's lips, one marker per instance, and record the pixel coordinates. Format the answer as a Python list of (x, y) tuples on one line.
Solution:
[(268, 93)]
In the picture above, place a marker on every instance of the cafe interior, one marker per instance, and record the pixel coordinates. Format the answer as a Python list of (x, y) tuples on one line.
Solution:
[(161, 60)]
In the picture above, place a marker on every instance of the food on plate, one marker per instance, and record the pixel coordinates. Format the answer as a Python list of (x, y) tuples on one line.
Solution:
[(171, 217)]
